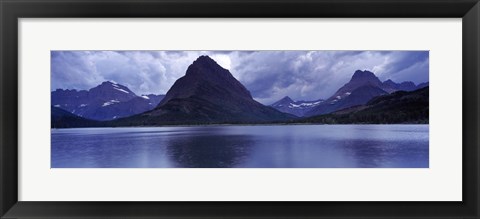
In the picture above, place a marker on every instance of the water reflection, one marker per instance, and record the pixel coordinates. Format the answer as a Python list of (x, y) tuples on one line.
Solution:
[(313, 146), (212, 151)]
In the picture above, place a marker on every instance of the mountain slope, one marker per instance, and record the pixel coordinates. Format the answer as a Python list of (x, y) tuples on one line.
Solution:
[(298, 108), (207, 94), (399, 107), (341, 99), (359, 79), (359, 96), (110, 90)]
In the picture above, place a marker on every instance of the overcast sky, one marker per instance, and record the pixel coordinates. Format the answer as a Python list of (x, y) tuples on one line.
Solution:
[(268, 75)]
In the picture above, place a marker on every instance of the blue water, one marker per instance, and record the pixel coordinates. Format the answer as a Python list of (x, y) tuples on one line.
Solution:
[(288, 146)]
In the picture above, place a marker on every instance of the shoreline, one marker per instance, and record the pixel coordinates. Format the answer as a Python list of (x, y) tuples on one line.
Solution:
[(267, 124)]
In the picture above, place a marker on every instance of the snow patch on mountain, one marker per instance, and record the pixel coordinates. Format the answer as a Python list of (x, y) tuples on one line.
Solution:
[(298, 108), (302, 105), (110, 103), (122, 90)]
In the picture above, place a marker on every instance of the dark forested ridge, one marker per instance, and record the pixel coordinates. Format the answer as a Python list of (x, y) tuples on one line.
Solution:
[(396, 108), (63, 119)]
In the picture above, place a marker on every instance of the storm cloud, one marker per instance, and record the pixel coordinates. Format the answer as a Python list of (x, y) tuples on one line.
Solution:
[(269, 75)]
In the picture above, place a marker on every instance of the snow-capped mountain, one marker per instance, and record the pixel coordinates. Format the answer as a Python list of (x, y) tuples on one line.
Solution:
[(362, 87), (106, 101), (298, 108)]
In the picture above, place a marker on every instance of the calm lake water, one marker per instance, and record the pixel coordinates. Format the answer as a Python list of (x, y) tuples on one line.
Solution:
[(288, 146)]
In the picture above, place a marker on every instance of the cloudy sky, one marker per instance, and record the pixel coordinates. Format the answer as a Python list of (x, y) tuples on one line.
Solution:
[(269, 75)]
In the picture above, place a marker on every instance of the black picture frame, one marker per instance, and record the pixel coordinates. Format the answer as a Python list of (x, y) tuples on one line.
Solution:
[(12, 10)]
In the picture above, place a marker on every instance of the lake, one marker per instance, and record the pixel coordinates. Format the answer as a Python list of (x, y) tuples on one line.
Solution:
[(275, 146)]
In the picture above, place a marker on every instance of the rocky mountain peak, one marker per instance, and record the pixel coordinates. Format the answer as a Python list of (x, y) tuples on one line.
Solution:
[(204, 65), (364, 76), (208, 93), (207, 79), (286, 99)]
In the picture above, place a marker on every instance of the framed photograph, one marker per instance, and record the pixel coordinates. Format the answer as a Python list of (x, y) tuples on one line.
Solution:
[(255, 109)]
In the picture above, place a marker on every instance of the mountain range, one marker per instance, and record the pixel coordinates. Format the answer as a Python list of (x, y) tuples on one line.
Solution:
[(362, 87), (209, 94), (106, 101)]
